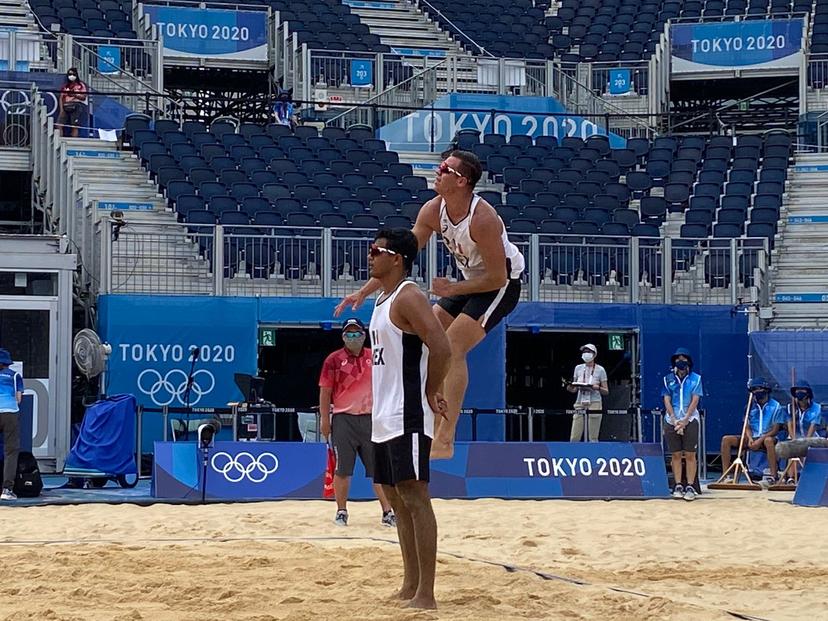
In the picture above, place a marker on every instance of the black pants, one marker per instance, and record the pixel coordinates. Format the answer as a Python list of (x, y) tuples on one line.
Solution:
[(10, 428)]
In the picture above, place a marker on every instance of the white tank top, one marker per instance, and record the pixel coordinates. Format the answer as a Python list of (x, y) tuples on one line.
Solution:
[(459, 242), (400, 368)]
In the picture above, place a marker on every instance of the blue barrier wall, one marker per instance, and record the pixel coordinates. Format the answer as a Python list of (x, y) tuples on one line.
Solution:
[(152, 337)]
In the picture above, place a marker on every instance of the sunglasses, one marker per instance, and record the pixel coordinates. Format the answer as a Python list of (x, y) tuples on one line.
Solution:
[(353, 335), (444, 168), (376, 251)]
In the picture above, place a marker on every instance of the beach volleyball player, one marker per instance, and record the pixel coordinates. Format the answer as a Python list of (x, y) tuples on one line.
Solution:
[(410, 354), (491, 266)]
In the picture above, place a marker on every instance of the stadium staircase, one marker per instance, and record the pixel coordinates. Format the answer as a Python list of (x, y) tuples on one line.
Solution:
[(402, 26), (120, 182), (16, 15), (799, 262)]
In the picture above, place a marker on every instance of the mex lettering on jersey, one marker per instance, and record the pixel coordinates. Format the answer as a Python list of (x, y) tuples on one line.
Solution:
[(456, 250), (377, 349)]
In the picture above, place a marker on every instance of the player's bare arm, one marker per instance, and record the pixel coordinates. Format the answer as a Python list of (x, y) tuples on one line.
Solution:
[(428, 222), (486, 230), (411, 312)]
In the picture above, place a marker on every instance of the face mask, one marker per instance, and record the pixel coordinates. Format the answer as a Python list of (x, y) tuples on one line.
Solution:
[(587, 356), (761, 395), (801, 394), (354, 340), (681, 365), (72, 78)]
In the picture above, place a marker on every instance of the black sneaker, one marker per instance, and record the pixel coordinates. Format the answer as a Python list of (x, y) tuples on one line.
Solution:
[(389, 519), (678, 491), (341, 518)]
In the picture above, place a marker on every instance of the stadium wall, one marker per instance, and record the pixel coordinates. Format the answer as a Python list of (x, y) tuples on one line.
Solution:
[(152, 339)]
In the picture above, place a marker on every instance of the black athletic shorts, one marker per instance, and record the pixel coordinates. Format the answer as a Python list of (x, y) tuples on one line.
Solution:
[(492, 306), (688, 441), (404, 458), (351, 436)]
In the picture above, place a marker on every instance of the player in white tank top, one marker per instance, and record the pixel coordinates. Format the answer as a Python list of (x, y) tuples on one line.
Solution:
[(399, 375), (459, 242), (411, 355), (491, 265)]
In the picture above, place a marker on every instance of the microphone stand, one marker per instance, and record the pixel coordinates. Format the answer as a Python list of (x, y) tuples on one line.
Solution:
[(187, 392), (204, 448)]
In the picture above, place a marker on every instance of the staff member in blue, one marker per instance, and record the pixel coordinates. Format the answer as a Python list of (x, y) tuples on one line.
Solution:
[(765, 419), (804, 414), (681, 393), (11, 394)]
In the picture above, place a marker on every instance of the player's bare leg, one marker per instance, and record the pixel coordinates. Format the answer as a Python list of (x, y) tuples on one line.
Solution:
[(408, 548), (463, 334)]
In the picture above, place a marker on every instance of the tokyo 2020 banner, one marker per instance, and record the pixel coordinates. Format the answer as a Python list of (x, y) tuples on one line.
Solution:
[(728, 46), (154, 343), (249, 470), (210, 33)]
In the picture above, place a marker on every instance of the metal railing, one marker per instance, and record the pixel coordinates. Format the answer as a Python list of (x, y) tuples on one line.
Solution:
[(20, 50), (279, 261), (456, 30)]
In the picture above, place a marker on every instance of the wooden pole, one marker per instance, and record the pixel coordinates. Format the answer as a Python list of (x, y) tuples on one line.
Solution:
[(738, 467)]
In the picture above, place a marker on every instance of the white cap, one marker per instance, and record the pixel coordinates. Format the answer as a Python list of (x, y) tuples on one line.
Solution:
[(590, 347)]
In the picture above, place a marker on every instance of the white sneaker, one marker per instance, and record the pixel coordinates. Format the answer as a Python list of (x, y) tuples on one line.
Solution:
[(341, 518), (8, 495), (678, 492), (689, 493)]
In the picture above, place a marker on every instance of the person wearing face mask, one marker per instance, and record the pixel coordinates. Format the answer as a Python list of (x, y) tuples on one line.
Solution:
[(72, 102), (681, 393), (804, 414), (765, 418), (345, 390), (589, 381)]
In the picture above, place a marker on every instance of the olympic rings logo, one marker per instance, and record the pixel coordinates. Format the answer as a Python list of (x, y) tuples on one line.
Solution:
[(164, 389), (245, 465), (17, 101)]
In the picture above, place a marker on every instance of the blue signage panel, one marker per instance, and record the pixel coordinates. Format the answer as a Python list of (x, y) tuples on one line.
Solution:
[(210, 33), (530, 116), (812, 489), (155, 340), (111, 206), (619, 82), (736, 45), (245, 470), (362, 73), (799, 298), (109, 59)]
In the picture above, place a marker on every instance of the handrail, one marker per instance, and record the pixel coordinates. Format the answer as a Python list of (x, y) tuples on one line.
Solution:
[(482, 49), (372, 100)]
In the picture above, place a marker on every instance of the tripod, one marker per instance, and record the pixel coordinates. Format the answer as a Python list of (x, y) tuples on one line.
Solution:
[(738, 467)]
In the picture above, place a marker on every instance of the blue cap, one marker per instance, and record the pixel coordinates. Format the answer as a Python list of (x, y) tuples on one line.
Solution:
[(353, 323), (681, 351), (802, 384), (5, 356), (758, 382)]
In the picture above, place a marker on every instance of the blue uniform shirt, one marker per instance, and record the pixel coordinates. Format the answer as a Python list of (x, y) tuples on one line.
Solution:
[(804, 419), (681, 393), (11, 382), (762, 417)]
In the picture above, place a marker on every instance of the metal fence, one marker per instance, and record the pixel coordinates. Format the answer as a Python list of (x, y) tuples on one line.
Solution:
[(278, 261)]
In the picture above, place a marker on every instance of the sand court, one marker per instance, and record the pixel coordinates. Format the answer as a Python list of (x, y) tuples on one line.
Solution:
[(614, 560)]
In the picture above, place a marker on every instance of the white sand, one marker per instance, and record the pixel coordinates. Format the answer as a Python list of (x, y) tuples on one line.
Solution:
[(734, 551)]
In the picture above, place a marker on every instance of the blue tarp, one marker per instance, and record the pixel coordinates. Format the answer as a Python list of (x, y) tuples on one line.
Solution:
[(783, 357), (106, 442)]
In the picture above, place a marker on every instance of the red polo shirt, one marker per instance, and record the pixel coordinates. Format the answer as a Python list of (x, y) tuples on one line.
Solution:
[(349, 378)]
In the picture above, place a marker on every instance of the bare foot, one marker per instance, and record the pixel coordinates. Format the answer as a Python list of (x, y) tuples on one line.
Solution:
[(441, 449), (405, 593), (419, 601)]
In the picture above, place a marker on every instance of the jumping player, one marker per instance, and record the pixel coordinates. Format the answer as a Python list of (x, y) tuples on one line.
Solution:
[(491, 266), (411, 355)]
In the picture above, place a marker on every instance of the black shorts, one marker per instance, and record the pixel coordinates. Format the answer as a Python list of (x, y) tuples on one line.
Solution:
[(404, 458), (351, 436), (492, 306), (688, 441)]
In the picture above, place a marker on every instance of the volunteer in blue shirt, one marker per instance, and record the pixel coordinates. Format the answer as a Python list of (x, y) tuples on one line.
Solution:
[(804, 416), (11, 394), (682, 392), (765, 418)]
